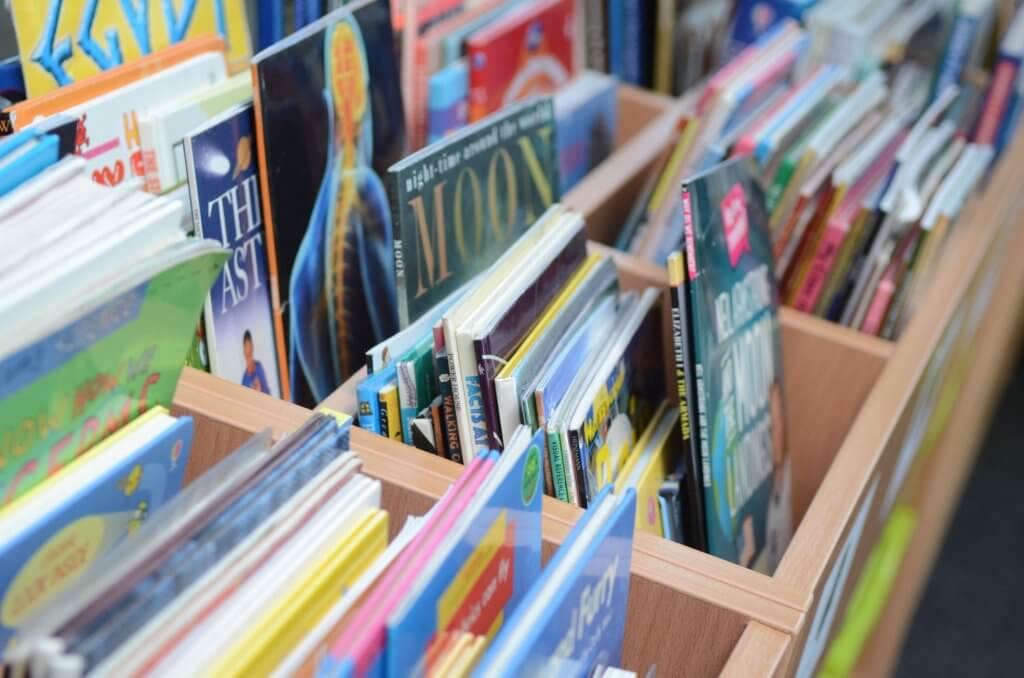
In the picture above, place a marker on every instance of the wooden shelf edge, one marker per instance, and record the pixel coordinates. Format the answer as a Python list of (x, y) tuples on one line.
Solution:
[(761, 651)]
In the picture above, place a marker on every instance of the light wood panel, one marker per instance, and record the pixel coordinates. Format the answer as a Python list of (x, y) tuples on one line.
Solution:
[(760, 651)]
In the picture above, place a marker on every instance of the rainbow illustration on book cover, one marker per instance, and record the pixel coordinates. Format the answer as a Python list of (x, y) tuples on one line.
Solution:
[(329, 222)]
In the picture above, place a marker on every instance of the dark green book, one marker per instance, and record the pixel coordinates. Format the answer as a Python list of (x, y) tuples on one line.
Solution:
[(734, 310), (459, 203)]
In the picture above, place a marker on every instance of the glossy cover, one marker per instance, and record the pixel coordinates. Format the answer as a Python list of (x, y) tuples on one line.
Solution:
[(226, 207), (66, 41), (91, 377), (583, 626), (734, 311), (504, 168), (587, 126), (23, 156), (12, 84), (329, 123), (89, 522), (526, 52), (488, 570)]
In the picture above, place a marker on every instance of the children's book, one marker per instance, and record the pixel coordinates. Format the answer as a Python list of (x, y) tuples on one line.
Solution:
[(734, 310), (60, 41), (12, 83), (56, 531), (329, 123), (448, 104), (573, 619), (438, 245), (225, 198), (651, 461), (23, 156), (528, 51), (588, 113)]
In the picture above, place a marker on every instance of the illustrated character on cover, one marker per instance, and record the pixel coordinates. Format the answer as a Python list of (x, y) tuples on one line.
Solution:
[(342, 291), (254, 377), (540, 71)]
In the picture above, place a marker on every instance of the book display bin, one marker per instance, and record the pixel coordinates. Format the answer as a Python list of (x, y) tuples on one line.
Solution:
[(873, 427)]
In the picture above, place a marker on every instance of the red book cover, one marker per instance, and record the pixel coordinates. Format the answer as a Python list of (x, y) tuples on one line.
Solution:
[(528, 52)]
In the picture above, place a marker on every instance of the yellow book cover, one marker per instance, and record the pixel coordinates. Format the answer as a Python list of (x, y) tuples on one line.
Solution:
[(804, 265), (64, 41), (650, 463), (389, 404), (468, 657), (663, 37), (269, 638)]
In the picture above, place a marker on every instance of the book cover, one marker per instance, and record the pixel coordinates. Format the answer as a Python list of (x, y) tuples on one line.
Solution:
[(66, 41), (738, 358), (448, 104), (649, 464), (329, 123), (1001, 86), (482, 576), (46, 556), (460, 203), (25, 155), (587, 113), (225, 196), (526, 52), (66, 392), (574, 618), (12, 82)]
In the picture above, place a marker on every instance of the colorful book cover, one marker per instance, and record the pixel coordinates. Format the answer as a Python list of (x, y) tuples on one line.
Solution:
[(649, 464), (526, 52), (71, 389), (12, 83), (485, 572), (225, 197), (574, 618), (448, 106), (438, 245), (1001, 87), (42, 558), (734, 310), (329, 123), (25, 155), (754, 17), (65, 41), (588, 113)]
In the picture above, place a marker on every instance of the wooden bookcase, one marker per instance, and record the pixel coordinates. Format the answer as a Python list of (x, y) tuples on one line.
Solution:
[(852, 403)]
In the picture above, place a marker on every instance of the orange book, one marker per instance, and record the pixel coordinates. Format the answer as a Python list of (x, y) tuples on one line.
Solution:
[(22, 114)]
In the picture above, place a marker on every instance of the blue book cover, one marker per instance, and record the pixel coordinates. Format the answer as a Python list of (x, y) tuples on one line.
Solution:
[(734, 306), (574, 618), (41, 559), (366, 395), (755, 17), (586, 125), (958, 50), (225, 192), (616, 38), (12, 82), (23, 156), (448, 105), (493, 560)]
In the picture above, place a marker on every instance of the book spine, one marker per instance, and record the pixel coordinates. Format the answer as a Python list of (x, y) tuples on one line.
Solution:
[(408, 397), (506, 392), (449, 445), (477, 84), (957, 52), (824, 258), (615, 22), (395, 194), (382, 414), (632, 62), (597, 57), (437, 420), (698, 366), (579, 473), (420, 84), (485, 363), (558, 478), (879, 304), (998, 99), (682, 343)]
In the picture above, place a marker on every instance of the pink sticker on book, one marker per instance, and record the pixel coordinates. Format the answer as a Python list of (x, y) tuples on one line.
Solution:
[(734, 221)]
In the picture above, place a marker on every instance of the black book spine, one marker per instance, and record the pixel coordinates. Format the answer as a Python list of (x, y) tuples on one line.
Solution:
[(575, 442), (449, 446), (485, 368)]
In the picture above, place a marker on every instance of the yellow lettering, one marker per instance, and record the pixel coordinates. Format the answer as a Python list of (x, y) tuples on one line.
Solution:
[(502, 158), (536, 171), (478, 215), (426, 249)]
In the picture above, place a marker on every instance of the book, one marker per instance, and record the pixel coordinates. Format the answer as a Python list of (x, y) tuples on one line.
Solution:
[(12, 82), (587, 113), (573, 619), (448, 100), (526, 52), (51, 58), (56, 531), (435, 191), (321, 186), (738, 360), (1004, 78), (162, 128), (972, 20), (649, 463), (225, 198), (23, 156)]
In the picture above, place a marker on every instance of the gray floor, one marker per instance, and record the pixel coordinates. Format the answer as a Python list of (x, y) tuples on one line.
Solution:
[(971, 618)]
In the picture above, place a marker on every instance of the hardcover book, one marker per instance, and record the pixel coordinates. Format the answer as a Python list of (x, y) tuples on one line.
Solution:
[(226, 207), (588, 114), (526, 52), (738, 360), (329, 123), (56, 538), (459, 204), (65, 41)]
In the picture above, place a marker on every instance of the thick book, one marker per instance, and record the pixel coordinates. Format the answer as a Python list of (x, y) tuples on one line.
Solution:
[(573, 619), (225, 196), (526, 52), (82, 382), (57, 531), (738, 360), (457, 205), (329, 123), (130, 32)]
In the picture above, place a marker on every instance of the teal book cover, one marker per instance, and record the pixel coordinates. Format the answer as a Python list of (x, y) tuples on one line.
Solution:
[(459, 204), (43, 557), (481, 580), (734, 308), (574, 618)]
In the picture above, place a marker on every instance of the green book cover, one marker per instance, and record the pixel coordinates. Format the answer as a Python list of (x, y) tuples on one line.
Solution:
[(68, 391), (460, 203), (738, 356)]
